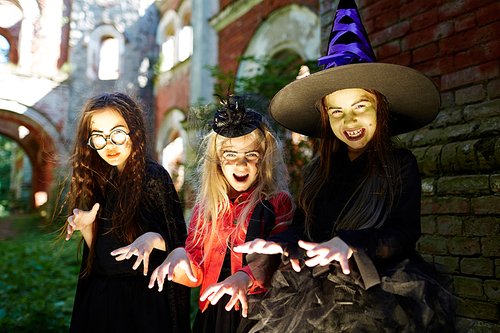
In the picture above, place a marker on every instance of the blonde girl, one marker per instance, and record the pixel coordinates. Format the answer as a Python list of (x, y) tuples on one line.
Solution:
[(242, 195)]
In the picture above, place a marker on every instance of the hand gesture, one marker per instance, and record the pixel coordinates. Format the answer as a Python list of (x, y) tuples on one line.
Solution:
[(262, 246), (236, 286), (324, 253), (81, 219), (142, 248), (177, 259)]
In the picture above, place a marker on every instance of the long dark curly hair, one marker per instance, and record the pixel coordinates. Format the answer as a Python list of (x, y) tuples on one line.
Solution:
[(91, 174), (382, 176)]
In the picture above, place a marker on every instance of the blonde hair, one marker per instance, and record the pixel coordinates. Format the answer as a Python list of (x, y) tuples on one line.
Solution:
[(213, 200)]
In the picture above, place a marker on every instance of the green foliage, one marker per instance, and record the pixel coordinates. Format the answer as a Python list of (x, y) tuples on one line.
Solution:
[(268, 77), (37, 282), (10, 150), (38, 279)]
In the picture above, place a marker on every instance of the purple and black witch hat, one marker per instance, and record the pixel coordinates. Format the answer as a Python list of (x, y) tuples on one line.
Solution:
[(414, 98)]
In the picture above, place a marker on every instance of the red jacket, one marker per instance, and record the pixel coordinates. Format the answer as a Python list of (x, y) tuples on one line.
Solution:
[(208, 271)]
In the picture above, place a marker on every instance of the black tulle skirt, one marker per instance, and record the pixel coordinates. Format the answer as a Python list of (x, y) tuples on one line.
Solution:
[(326, 300)]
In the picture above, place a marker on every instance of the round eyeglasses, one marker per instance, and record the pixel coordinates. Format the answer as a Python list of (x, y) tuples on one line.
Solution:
[(117, 137)]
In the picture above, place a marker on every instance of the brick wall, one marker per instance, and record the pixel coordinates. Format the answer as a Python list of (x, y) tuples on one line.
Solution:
[(456, 42), (234, 38), (173, 93)]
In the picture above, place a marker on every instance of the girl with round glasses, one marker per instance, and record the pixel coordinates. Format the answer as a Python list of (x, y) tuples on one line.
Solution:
[(117, 137), (120, 196)]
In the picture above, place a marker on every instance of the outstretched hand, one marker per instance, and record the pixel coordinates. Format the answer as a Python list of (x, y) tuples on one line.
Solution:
[(236, 286), (177, 259), (262, 246), (81, 219), (324, 253), (142, 248)]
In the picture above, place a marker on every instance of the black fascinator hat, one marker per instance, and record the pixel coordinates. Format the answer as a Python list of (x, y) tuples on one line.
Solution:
[(234, 118)]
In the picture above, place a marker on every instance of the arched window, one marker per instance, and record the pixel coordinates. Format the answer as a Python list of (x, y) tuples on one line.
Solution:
[(186, 38), (168, 48), (104, 53), (175, 36), (4, 50), (171, 143), (271, 39), (109, 59)]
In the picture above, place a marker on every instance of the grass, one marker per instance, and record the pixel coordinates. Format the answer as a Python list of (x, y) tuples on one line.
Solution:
[(38, 279)]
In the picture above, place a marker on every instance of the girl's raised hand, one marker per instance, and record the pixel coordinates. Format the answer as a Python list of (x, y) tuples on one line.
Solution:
[(177, 259), (262, 246), (81, 219), (142, 248), (236, 286), (324, 253), (259, 245)]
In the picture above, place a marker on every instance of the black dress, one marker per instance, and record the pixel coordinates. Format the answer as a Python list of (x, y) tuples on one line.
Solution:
[(216, 319), (116, 298), (390, 287)]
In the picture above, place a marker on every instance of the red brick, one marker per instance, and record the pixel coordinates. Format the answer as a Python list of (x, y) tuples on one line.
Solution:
[(470, 39), (488, 14), (365, 3), (379, 8), (387, 50), (469, 58), (468, 286), (436, 67), (492, 50), (426, 36), (382, 21), (458, 7), (470, 75), (425, 53), (449, 205), (465, 246), (449, 225), (486, 226), (424, 20), (465, 22), (491, 246), (447, 265), (477, 266), (416, 7), (428, 225), (403, 59), (479, 310), (432, 244), (493, 89), (486, 205), (470, 95), (390, 33)]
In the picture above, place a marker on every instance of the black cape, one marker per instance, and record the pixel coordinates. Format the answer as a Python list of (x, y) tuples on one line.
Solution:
[(116, 298)]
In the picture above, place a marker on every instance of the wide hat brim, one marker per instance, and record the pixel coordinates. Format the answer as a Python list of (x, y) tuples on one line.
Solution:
[(414, 98)]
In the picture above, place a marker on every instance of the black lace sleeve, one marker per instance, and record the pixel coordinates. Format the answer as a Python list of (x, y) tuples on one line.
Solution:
[(163, 211)]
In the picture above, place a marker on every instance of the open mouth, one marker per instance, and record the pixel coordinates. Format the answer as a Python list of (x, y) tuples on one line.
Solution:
[(240, 177), (354, 134), (112, 155)]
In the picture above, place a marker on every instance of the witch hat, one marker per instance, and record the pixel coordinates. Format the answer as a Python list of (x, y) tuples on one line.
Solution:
[(413, 98)]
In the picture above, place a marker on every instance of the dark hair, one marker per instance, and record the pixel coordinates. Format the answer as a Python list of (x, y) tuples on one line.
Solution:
[(381, 176), (91, 174)]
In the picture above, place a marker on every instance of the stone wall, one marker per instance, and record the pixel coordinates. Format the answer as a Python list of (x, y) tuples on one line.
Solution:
[(457, 44), (135, 22)]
